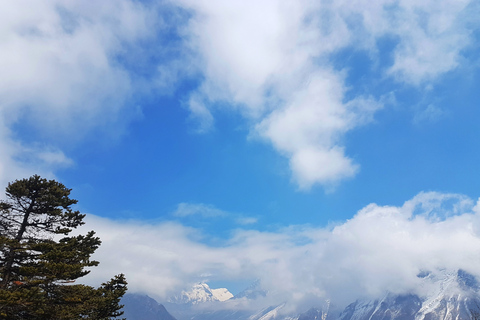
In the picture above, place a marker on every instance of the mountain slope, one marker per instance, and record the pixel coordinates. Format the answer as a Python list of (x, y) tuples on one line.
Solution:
[(142, 307), (402, 307), (446, 295), (451, 295)]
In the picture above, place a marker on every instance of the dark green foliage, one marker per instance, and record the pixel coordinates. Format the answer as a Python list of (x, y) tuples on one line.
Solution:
[(39, 261)]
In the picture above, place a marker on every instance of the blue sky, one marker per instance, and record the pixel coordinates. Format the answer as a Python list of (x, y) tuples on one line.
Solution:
[(233, 121)]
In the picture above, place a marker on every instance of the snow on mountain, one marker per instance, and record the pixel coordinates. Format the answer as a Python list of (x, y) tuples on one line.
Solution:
[(454, 296), (390, 307), (221, 294), (269, 313), (445, 295), (448, 295), (200, 293)]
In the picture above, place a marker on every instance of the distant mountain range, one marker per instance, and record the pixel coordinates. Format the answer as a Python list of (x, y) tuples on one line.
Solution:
[(453, 295), (448, 295)]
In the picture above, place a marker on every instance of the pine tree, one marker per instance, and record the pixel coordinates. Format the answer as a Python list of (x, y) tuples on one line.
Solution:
[(39, 261)]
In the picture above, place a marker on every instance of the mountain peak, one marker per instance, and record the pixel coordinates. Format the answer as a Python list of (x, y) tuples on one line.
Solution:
[(200, 293), (447, 294)]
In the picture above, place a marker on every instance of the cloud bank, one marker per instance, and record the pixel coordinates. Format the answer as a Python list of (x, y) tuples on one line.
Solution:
[(382, 248)]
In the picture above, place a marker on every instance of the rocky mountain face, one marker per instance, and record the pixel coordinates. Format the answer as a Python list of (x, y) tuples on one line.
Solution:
[(143, 307), (446, 295)]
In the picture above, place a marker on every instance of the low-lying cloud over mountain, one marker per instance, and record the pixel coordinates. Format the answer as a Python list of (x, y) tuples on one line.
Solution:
[(445, 294), (382, 248)]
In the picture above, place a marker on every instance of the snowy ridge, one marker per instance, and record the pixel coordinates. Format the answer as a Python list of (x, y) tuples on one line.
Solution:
[(389, 307), (447, 295), (200, 293), (451, 298), (268, 313), (221, 294), (446, 288)]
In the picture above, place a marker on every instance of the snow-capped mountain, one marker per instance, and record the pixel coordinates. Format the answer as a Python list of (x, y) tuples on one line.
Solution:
[(448, 295), (390, 307), (200, 293), (205, 303), (456, 295), (269, 313), (445, 295)]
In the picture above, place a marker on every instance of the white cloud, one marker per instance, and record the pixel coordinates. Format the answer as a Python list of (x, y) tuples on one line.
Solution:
[(308, 130), (246, 220), (271, 61), (200, 113), (55, 157), (60, 77), (431, 113), (432, 37), (10, 169), (204, 210), (18, 161), (57, 61), (380, 248), (185, 209)]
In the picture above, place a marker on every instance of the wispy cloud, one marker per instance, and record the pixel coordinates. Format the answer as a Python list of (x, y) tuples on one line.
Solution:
[(18, 160), (208, 211), (246, 220), (431, 113), (380, 248), (204, 210)]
